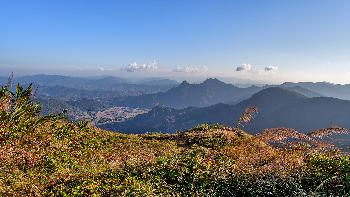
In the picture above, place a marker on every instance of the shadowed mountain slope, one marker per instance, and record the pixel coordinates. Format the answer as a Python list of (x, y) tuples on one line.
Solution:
[(210, 92), (277, 108)]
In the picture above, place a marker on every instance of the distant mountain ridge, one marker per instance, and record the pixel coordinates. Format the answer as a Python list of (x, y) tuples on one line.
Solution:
[(209, 92), (75, 88), (310, 89), (304, 91), (85, 95), (153, 85), (104, 83), (278, 107), (324, 88), (181, 106), (157, 81)]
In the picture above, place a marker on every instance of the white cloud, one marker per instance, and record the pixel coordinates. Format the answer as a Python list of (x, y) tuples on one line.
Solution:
[(135, 67), (249, 68), (244, 67), (270, 68), (191, 69)]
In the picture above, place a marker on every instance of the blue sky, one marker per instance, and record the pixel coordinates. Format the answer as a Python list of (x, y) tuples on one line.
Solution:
[(271, 41)]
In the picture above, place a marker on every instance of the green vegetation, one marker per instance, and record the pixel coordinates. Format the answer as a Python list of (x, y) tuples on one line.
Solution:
[(47, 155)]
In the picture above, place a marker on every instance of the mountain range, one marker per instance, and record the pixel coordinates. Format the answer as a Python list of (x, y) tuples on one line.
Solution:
[(324, 88), (210, 92), (304, 106), (75, 88), (103, 82), (277, 107)]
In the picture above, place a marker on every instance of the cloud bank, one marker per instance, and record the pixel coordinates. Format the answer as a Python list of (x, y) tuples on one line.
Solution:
[(244, 67), (190, 69), (249, 68), (135, 67), (270, 68)]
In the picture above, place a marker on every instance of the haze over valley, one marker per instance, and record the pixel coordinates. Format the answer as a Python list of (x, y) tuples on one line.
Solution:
[(164, 105)]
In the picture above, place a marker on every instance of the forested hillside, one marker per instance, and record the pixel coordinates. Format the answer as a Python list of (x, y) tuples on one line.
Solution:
[(49, 156)]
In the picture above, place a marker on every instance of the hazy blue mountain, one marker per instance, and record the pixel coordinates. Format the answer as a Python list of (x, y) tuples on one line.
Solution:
[(270, 99), (156, 81), (53, 80), (304, 91), (56, 106), (73, 88), (97, 83), (68, 93), (296, 105), (108, 81), (138, 89), (209, 92), (314, 113), (324, 88), (154, 85), (88, 105), (3, 80), (122, 90), (169, 120), (277, 108)]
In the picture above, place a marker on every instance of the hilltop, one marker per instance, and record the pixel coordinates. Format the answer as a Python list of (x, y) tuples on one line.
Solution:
[(48, 155)]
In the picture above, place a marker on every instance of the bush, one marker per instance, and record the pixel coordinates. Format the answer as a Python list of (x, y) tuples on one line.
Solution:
[(47, 155)]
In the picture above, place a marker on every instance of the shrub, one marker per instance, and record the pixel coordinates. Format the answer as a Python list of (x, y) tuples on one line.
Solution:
[(47, 155)]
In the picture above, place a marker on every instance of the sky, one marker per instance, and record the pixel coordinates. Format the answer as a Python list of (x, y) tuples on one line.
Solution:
[(267, 41)]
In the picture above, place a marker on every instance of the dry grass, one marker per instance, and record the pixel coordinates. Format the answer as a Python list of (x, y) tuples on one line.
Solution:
[(51, 156)]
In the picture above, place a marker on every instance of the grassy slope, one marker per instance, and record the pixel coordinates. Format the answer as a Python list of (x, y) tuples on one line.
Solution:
[(50, 156)]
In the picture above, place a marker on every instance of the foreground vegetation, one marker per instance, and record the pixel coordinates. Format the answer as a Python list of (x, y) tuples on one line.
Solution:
[(51, 156)]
